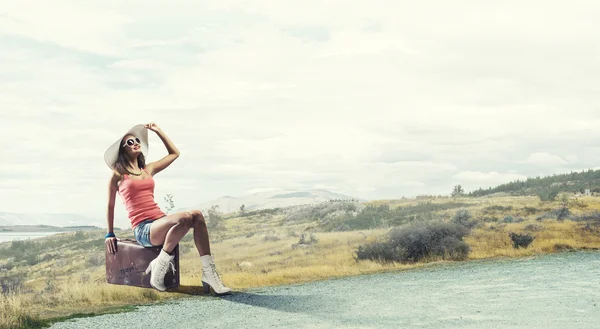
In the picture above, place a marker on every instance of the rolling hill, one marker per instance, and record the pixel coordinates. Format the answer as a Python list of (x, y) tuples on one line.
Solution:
[(273, 199), (575, 182)]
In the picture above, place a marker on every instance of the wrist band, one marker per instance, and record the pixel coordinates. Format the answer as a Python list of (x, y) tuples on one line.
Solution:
[(109, 235)]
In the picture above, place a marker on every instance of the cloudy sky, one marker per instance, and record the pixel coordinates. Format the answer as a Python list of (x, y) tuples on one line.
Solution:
[(375, 99)]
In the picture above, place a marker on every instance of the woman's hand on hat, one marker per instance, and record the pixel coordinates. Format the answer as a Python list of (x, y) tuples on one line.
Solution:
[(152, 126)]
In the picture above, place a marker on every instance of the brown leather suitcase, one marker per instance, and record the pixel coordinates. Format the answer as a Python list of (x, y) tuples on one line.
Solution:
[(128, 265)]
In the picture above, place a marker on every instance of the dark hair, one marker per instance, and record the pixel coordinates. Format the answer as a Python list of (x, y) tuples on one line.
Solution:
[(122, 161)]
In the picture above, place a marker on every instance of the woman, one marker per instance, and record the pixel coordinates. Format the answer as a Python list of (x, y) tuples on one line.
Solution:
[(133, 179)]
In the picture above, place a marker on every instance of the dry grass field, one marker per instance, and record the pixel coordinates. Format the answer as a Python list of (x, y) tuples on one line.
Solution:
[(264, 250)]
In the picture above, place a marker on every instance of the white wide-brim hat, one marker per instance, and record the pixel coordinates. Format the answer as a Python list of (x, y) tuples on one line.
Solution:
[(112, 153)]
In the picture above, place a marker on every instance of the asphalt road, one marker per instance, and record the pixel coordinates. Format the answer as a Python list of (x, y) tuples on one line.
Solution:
[(552, 291)]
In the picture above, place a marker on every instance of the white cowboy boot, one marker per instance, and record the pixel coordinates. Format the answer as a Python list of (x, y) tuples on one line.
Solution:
[(210, 277), (159, 266)]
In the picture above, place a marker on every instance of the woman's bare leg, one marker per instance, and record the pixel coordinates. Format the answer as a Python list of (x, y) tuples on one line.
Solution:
[(169, 230), (200, 233)]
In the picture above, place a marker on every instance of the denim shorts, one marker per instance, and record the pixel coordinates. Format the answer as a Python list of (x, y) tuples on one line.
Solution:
[(142, 233)]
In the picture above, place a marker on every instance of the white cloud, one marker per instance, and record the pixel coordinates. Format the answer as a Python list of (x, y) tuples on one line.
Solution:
[(494, 178), (545, 159), (376, 99)]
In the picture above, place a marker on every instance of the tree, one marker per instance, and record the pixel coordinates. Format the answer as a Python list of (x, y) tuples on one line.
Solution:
[(215, 219), (242, 209), (457, 191), (564, 200), (169, 201)]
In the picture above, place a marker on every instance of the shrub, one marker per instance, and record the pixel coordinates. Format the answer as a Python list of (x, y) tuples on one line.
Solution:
[(494, 208), (379, 252), (321, 211), (8, 266), (533, 227), (562, 247), (589, 228), (547, 195), (376, 216), (521, 240), (419, 241), (62, 262), (150, 294), (498, 227), (489, 219), (592, 216), (184, 248), (11, 284), (530, 210), (84, 277), (79, 235), (508, 219), (464, 218), (50, 285), (562, 213), (271, 237), (94, 260), (307, 240), (31, 259), (578, 203)]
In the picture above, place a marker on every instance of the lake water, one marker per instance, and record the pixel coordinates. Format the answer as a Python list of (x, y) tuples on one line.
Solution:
[(11, 236)]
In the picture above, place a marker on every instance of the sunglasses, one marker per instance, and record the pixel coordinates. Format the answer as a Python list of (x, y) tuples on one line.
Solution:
[(132, 141)]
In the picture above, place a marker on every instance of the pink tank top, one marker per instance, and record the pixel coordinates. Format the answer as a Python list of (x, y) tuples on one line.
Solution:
[(138, 197)]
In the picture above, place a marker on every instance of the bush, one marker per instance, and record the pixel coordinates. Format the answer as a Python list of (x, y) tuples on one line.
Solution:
[(419, 241), (94, 260), (489, 219), (562, 213), (578, 203), (533, 228), (508, 219), (530, 210), (497, 208), (592, 216), (562, 247), (79, 235), (379, 252), (307, 240), (375, 216), (8, 266), (521, 240), (463, 217), (150, 294), (271, 237), (11, 284), (547, 195), (84, 277), (31, 259), (184, 248)]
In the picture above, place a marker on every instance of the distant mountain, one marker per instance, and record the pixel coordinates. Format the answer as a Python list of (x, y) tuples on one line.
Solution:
[(273, 199), (46, 228), (61, 220)]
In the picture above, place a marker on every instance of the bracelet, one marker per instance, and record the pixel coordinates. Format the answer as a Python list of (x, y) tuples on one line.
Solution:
[(109, 235)]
